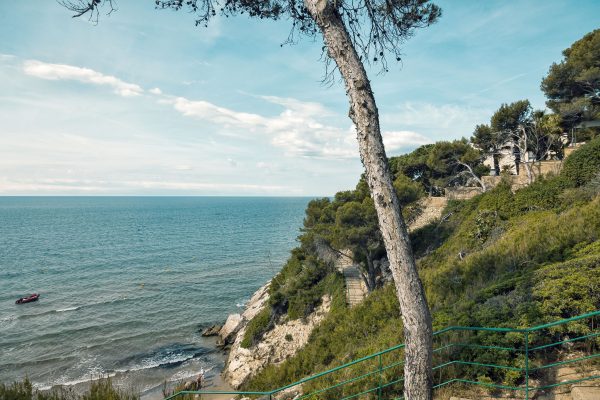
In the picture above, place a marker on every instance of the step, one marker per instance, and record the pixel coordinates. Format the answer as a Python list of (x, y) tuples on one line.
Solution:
[(585, 393)]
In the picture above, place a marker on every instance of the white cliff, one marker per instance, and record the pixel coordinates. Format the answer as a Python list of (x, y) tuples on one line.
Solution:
[(280, 343)]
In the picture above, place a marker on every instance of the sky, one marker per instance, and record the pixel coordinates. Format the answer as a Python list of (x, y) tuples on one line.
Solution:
[(146, 103)]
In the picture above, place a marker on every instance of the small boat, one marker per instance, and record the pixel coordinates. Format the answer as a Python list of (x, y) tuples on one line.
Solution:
[(28, 299)]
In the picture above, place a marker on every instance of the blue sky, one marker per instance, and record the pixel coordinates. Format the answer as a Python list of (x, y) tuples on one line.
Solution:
[(145, 103)]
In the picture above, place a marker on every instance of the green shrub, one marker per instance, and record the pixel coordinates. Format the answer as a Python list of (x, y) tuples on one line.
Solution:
[(545, 193), (569, 288), (584, 164), (101, 389), (257, 327), (500, 259), (297, 289)]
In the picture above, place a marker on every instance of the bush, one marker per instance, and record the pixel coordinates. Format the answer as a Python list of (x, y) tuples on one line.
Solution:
[(101, 389), (543, 194), (257, 327), (297, 289), (584, 164), (500, 259)]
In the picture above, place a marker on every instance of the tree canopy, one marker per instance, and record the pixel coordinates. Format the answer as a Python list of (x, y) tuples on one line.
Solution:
[(509, 117), (573, 85), (377, 27), (354, 32)]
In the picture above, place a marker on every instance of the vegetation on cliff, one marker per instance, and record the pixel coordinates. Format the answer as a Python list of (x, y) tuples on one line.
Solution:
[(503, 259)]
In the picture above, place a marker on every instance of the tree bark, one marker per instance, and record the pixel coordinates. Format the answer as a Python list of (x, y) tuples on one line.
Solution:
[(416, 317), (496, 158), (474, 175), (371, 273), (522, 144)]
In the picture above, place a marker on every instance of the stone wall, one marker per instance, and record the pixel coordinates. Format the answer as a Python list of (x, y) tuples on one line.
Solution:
[(545, 168), (461, 192), (541, 168), (516, 181)]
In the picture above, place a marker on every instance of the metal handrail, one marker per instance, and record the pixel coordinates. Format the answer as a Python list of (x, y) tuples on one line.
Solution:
[(526, 369)]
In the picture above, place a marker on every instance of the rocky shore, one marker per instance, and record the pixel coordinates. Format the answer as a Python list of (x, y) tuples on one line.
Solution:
[(280, 343)]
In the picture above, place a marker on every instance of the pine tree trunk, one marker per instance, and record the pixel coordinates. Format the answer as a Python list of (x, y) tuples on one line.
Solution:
[(363, 112), (496, 158)]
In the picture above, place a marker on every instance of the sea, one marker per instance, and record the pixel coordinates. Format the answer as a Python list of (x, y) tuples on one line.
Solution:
[(127, 284)]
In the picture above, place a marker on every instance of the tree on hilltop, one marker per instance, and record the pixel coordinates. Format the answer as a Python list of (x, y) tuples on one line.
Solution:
[(508, 122), (499, 135), (458, 163), (572, 86), (536, 139), (354, 32), (490, 142)]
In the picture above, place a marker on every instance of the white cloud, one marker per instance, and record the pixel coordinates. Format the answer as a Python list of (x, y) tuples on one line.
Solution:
[(155, 91), (199, 186), (89, 186), (194, 82), (437, 120), (6, 57), (398, 140), (300, 129), (209, 112), (49, 71), (264, 165), (304, 107), (232, 162)]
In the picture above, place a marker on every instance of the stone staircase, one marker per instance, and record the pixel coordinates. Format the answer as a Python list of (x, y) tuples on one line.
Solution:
[(355, 286), (356, 290)]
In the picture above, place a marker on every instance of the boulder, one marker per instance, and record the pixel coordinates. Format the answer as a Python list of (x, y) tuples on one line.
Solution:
[(211, 330), (257, 302), (229, 330)]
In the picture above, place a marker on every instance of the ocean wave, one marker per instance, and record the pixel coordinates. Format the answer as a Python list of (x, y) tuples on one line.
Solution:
[(164, 357), (69, 334), (9, 318), (91, 376), (67, 309), (74, 308), (184, 375), (242, 303), (45, 313), (38, 362)]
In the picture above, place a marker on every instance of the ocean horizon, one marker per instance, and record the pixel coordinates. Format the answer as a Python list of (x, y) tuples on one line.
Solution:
[(128, 282)]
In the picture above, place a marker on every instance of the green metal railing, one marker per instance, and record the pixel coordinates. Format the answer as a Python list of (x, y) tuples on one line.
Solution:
[(459, 360)]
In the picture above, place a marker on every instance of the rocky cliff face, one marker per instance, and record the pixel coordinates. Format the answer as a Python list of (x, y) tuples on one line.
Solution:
[(282, 342), (235, 322)]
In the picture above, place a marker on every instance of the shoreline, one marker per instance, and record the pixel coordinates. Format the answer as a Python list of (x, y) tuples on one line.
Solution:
[(144, 382), (132, 381)]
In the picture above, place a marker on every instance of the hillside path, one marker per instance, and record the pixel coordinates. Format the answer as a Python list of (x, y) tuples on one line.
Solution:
[(432, 208), (356, 290)]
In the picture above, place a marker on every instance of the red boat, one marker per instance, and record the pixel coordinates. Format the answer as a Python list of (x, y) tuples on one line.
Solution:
[(28, 299)]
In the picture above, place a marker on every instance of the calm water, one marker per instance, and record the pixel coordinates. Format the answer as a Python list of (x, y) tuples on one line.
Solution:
[(126, 282)]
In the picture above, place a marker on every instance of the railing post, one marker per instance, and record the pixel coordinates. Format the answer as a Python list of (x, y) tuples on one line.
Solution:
[(380, 379), (526, 365)]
